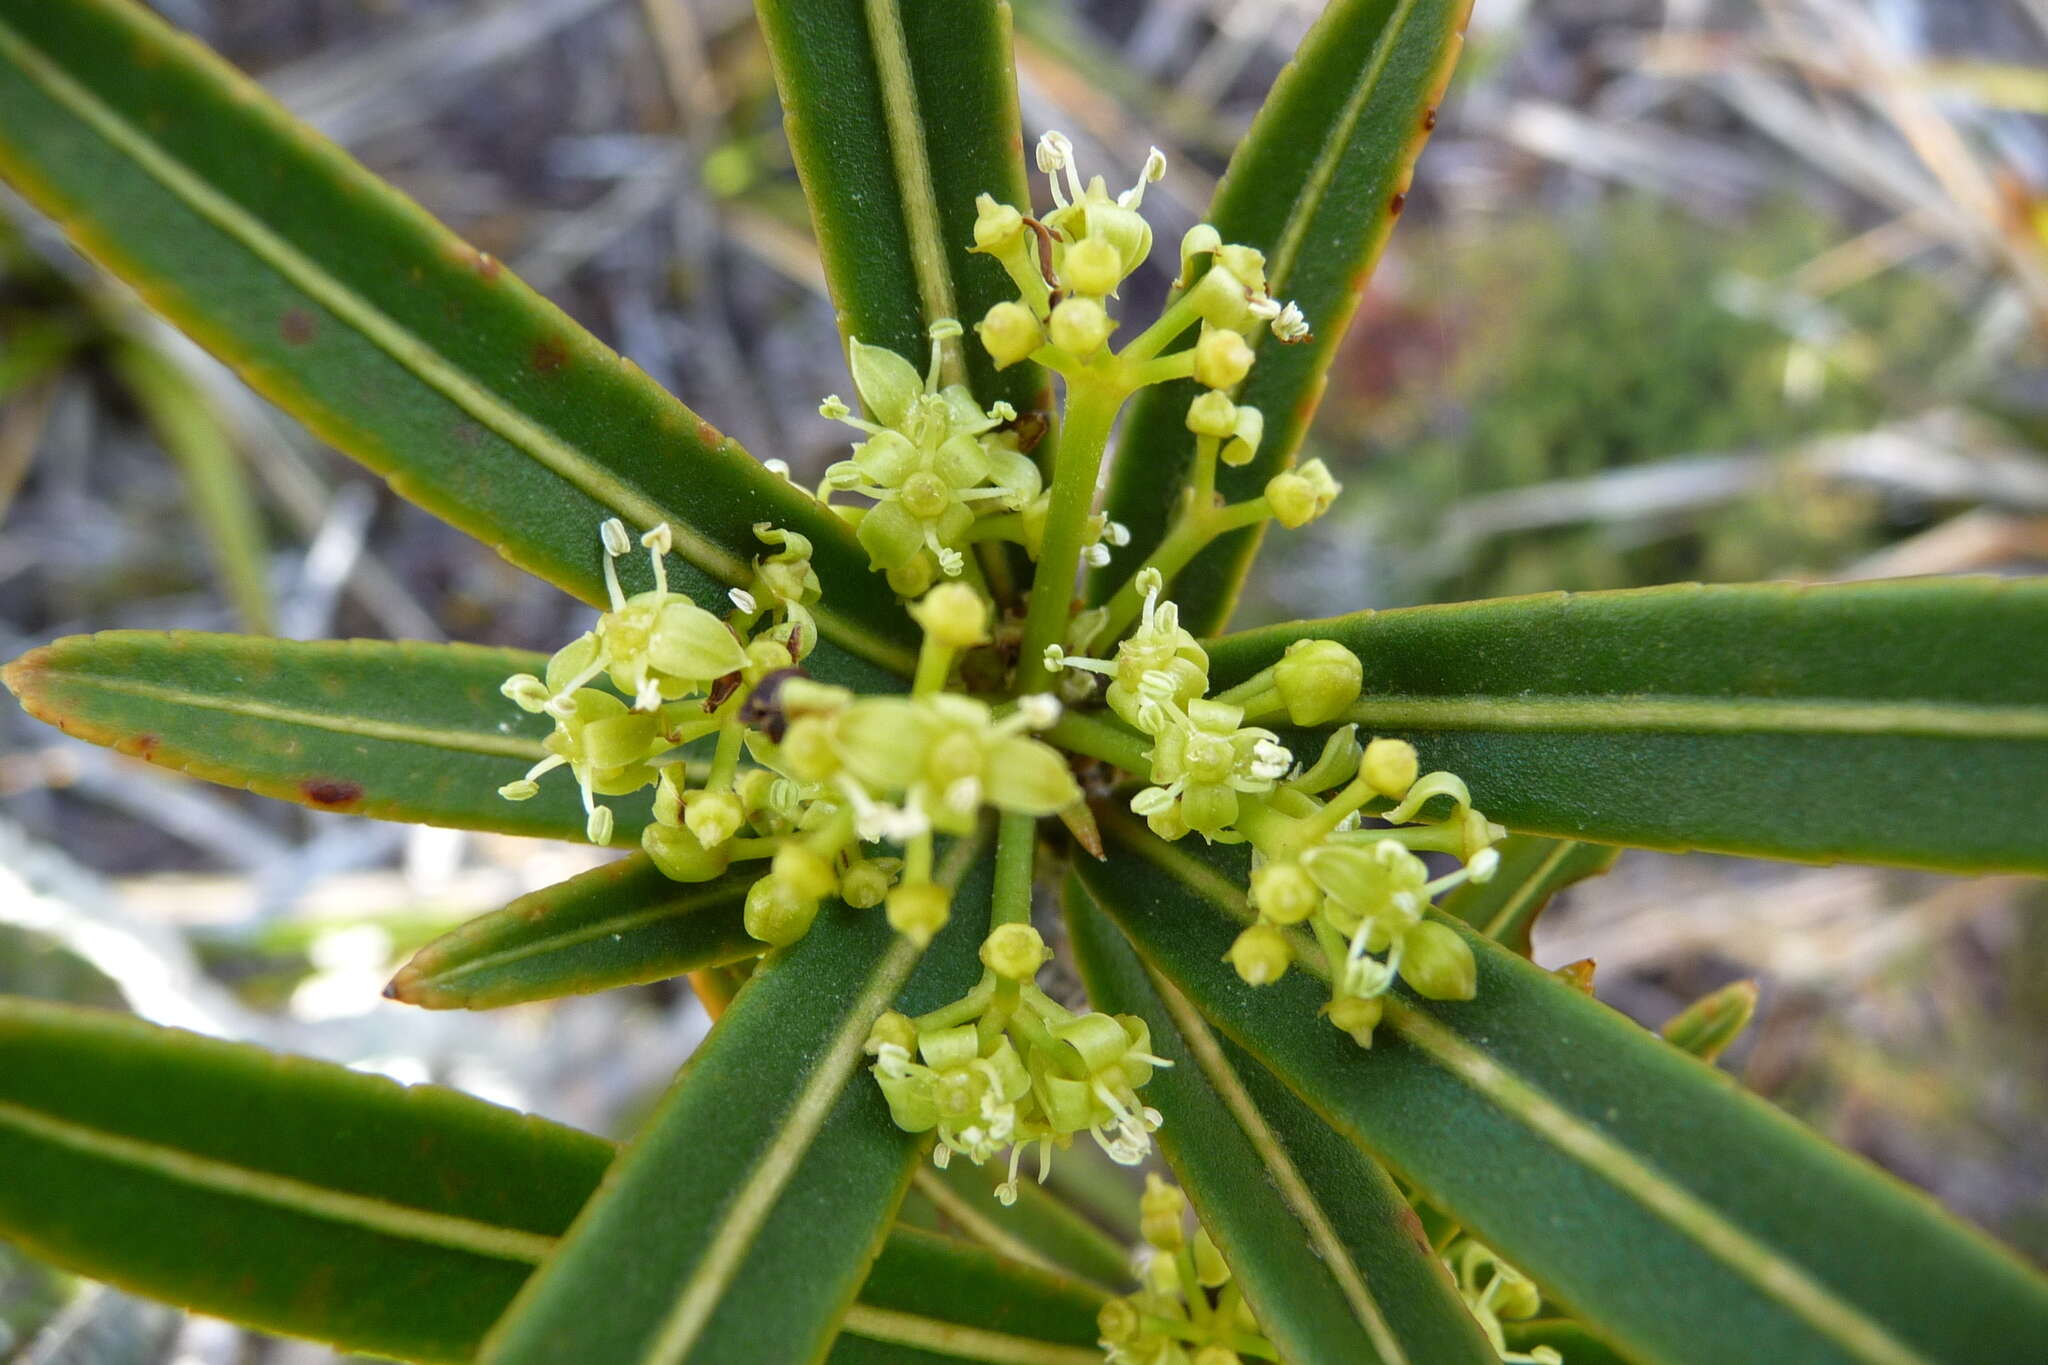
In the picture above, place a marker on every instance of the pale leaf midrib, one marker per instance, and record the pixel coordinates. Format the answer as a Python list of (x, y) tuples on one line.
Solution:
[(541, 445), (361, 727), (1287, 1178), (1280, 265), (1703, 715), (951, 1338), (1531, 887), (1776, 1278), (977, 1225), (910, 158), (284, 1192)]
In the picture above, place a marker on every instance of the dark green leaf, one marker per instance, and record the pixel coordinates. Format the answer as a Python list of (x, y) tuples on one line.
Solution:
[(1900, 722), (1531, 871), (617, 925), (1676, 1214), (308, 1199), (399, 731), (1316, 185), (899, 113), (1040, 1229), (740, 1221), (348, 306), (1331, 1257)]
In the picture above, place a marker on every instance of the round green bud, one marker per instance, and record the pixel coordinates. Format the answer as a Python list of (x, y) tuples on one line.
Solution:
[(1118, 1322), (679, 856), (808, 876), (1260, 955), (1390, 767), (925, 495), (756, 790), (995, 225), (1284, 893), (1212, 414), (1159, 1214), (713, 817), (891, 1027), (1014, 952), (1079, 327), (808, 749), (1357, 1017), (1209, 809), (910, 579), (765, 656), (865, 884), (1517, 1297), (1168, 824), (1092, 266), (776, 915), (1248, 263), (1437, 963), (1222, 359), (1292, 500), (953, 615), (1317, 680), (1009, 332), (918, 910)]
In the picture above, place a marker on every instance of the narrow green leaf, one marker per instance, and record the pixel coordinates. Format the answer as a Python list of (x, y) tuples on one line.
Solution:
[(1331, 1257), (622, 924), (1679, 1216), (216, 483), (305, 1198), (296, 1196), (347, 305), (1902, 722), (399, 731), (739, 1223), (1531, 871), (932, 1293), (900, 112), (1039, 1229), (1316, 185)]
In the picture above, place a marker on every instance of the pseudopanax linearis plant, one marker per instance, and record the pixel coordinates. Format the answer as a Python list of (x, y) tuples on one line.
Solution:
[(848, 737)]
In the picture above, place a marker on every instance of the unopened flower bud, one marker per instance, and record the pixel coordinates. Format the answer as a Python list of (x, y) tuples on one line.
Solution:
[(1092, 266), (526, 691), (681, 856), (1317, 680), (1212, 414), (775, 914), (1284, 893), (1010, 333), (1390, 767), (1014, 952), (892, 1029), (1159, 1214), (911, 578), (805, 873), (918, 910), (713, 817), (1357, 1017), (1210, 1269), (1079, 327), (865, 884), (1222, 359), (807, 749), (1438, 963), (1301, 495), (1517, 1297), (1260, 955), (953, 615), (995, 225), (1118, 1322)]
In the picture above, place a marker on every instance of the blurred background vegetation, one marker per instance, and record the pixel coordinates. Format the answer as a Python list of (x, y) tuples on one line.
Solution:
[(1687, 289)]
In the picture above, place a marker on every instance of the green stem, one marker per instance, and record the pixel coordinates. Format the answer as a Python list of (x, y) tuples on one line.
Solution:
[(1192, 533), (1015, 840), (1178, 316), (1091, 410), (1103, 738), (934, 662)]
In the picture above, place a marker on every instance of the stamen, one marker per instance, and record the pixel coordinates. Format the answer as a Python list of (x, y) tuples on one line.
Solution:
[(744, 600)]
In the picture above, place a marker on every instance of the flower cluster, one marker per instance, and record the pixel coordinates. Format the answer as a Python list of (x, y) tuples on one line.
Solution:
[(1188, 1310), (1006, 1066), (1496, 1293), (1358, 891), (934, 463), (831, 773)]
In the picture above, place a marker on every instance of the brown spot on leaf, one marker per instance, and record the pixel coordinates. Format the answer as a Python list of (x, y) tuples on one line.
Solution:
[(1578, 975), (708, 434), (142, 746), (332, 793), (549, 355), (296, 326), (1396, 204), (488, 267), (1429, 119)]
